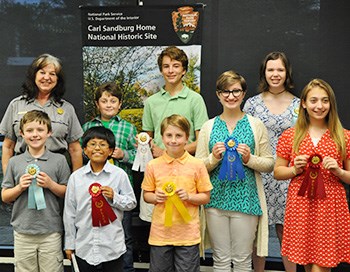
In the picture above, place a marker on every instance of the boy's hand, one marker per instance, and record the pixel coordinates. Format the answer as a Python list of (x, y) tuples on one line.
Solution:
[(156, 150), (118, 153), (69, 253), (43, 180), (161, 197), (183, 195), (25, 181), (107, 192)]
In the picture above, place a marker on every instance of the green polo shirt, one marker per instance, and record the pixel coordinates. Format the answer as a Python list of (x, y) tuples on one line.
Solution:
[(161, 105)]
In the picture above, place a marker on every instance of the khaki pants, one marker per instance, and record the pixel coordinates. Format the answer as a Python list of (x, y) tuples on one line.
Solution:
[(38, 253), (231, 236)]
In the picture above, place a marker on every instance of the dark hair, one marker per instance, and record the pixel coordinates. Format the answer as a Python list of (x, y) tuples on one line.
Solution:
[(29, 88), (101, 133), (38, 116), (112, 88), (288, 84), (173, 53)]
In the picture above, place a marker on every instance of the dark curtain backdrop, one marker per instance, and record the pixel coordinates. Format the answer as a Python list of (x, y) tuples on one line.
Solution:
[(237, 34)]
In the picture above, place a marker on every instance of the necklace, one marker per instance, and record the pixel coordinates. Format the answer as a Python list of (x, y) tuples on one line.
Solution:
[(277, 93)]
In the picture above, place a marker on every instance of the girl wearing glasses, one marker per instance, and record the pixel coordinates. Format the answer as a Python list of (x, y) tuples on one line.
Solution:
[(277, 108), (235, 149)]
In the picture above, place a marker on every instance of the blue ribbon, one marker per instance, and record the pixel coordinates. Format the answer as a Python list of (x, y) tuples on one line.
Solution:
[(231, 165), (36, 198)]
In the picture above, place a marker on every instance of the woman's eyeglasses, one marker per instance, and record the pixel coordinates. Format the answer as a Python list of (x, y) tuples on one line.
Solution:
[(235, 93)]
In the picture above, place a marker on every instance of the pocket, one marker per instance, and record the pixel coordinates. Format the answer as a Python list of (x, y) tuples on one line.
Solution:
[(51, 261), (24, 263)]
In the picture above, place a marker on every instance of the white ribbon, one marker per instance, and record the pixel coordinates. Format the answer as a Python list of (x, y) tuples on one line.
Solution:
[(74, 263), (143, 153)]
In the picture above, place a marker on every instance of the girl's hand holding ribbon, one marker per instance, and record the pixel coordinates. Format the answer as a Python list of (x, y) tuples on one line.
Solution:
[(218, 149), (244, 150), (331, 164), (300, 162)]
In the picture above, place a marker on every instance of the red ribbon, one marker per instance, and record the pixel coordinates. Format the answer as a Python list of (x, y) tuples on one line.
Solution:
[(102, 213), (313, 181)]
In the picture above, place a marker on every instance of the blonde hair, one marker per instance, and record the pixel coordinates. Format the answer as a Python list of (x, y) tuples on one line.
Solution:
[(176, 120), (333, 122)]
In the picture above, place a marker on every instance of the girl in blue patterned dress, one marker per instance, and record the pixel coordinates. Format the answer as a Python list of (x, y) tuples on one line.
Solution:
[(277, 108), (237, 205)]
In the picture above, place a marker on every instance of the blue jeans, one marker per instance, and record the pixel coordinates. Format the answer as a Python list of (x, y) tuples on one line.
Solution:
[(128, 257)]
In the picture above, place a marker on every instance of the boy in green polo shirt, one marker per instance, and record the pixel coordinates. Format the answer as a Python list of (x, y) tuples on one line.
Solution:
[(173, 98), (108, 100)]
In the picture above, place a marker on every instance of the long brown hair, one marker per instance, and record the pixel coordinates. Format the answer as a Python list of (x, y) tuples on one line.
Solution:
[(333, 122), (288, 84)]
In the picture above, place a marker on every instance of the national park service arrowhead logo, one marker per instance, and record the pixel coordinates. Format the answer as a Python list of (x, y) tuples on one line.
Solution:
[(185, 22)]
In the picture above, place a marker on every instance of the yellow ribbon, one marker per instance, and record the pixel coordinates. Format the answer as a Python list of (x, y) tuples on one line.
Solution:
[(111, 161), (173, 200)]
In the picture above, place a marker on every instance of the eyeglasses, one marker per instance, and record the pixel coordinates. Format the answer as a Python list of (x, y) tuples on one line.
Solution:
[(94, 145), (235, 93)]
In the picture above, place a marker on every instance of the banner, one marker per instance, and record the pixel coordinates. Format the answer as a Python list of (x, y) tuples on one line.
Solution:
[(122, 44)]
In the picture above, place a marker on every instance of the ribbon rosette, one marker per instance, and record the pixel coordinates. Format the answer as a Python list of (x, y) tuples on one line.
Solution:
[(231, 165), (143, 153), (295, 115), (313, 181), (36, 198), (102, 213), (173, 200)]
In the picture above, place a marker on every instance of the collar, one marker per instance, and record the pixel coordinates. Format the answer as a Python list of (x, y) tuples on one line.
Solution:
[(50, 101), (183, 93), (29, 158), (108, 168), (181, 160), (98, 118)]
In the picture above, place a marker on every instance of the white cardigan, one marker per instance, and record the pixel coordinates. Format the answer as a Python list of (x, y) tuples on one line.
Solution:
[(261, 161)]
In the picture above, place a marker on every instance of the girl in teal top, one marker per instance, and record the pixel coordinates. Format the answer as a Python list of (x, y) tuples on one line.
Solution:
[(240, 195), (235, 149)]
